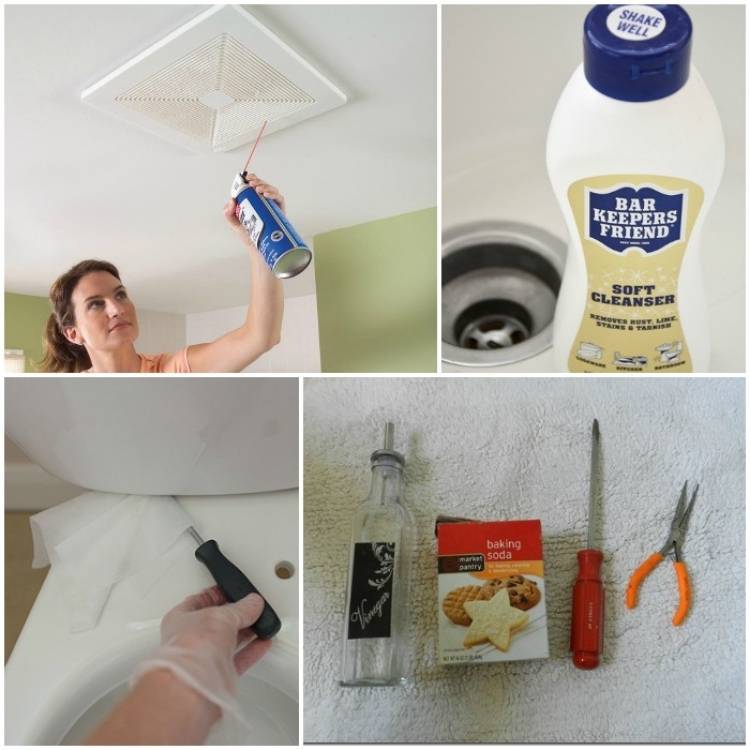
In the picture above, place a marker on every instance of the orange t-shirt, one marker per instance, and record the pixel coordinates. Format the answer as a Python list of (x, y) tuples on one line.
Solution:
[(177, 362)]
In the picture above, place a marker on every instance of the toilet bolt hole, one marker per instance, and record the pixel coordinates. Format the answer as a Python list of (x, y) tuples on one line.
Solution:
[(284, 569)]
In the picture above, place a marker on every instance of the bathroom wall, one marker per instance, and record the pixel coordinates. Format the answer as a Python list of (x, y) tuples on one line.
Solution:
[(298, 350), (377, 296), (25, 319), (28, 487), (28, 490), (160, 332)]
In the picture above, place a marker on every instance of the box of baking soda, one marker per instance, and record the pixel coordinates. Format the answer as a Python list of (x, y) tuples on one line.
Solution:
[(491, 598)]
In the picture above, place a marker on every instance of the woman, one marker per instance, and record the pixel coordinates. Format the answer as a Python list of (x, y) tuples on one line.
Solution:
[(94, 324)]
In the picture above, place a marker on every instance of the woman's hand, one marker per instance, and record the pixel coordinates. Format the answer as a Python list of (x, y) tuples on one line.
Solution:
[(182, 689), (260, 187), (208, 643), (207, 622)]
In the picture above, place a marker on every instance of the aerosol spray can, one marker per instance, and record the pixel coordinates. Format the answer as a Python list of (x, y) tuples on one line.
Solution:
[(282, 248)]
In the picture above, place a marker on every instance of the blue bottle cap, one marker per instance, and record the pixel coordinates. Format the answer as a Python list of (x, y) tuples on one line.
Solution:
[(637, 53)]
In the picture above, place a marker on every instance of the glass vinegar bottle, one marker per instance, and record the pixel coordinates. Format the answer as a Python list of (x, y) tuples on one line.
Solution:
[(376, 622)]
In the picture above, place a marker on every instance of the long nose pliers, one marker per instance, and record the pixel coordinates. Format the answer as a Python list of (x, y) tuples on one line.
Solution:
[(673, 548)]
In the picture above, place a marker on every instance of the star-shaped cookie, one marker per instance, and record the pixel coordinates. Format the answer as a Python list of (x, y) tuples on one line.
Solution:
[(494, 621)]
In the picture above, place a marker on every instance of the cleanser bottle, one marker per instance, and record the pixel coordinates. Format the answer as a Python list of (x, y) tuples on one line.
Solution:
[(635, 153)]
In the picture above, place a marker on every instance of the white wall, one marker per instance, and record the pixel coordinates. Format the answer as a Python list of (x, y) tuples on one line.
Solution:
[(28, 487), (299, 350), (160, 332)]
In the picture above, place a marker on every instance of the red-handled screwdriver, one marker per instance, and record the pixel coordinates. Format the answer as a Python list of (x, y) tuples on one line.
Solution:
[(587, 627)]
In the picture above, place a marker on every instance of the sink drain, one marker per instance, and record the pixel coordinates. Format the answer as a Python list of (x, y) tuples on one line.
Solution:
[(492, 324), (500, 286)]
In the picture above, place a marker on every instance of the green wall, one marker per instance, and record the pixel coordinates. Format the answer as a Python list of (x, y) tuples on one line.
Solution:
[(377, 296), (25, 320)]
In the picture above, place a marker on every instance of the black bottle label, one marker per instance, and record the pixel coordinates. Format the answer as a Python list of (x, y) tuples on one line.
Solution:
[(372, 590)]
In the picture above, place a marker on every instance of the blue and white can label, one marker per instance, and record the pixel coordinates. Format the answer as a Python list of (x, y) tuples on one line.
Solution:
[(271, 232), (643, 218)]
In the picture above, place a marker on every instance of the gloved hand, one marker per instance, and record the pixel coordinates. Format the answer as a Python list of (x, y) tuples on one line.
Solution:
[(208, 644)]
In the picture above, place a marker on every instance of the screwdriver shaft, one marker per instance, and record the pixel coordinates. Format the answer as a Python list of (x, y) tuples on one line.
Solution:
[(193, 533), (587, 625), (595, 486)]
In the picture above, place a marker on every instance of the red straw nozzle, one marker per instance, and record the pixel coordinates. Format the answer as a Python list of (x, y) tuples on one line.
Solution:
[(252, 150)]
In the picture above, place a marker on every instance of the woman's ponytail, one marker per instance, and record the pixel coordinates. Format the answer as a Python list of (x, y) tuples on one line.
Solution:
[(61, 355)]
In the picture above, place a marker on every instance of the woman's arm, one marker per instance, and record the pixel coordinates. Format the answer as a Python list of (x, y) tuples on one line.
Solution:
[(206, 644), (261, 330), (159, 710)]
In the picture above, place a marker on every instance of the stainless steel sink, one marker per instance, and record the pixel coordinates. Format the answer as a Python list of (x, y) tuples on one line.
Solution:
[(500, 282)]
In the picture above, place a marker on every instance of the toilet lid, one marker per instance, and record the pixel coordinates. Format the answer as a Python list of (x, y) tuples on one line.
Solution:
[(176, 436)]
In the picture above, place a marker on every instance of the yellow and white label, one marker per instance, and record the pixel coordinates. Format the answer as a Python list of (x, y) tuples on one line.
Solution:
[(634, 230)]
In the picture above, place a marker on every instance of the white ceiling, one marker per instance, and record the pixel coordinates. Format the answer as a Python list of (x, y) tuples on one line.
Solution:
[(81, 184)]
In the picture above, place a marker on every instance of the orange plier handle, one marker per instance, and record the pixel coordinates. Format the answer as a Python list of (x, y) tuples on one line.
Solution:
[(683, 584)]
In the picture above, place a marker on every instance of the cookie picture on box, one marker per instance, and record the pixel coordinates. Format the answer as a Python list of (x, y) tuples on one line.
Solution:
[(494, 619), (491, 600)]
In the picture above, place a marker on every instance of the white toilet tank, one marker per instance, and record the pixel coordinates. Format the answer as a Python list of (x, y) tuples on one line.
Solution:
[(159, 436)]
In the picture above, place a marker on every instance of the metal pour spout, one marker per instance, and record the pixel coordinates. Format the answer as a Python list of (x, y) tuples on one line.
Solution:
[(388, 440)]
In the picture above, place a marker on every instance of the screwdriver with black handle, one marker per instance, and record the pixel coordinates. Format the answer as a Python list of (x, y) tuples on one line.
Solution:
[(234, 583), (587, 627)]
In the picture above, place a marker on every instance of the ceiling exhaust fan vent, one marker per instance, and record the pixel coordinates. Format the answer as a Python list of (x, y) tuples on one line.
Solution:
[(210, 85)]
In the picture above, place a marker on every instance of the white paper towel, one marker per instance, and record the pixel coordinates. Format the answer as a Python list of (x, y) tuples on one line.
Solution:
[(505, 448), (99, 539)]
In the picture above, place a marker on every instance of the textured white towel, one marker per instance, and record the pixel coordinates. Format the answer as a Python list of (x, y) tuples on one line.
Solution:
[(519, 448)]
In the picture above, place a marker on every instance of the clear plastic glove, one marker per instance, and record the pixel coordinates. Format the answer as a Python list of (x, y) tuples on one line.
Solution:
[(207, 643)]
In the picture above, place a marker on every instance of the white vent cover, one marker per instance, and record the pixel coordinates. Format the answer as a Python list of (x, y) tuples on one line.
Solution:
[(210, 84)]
